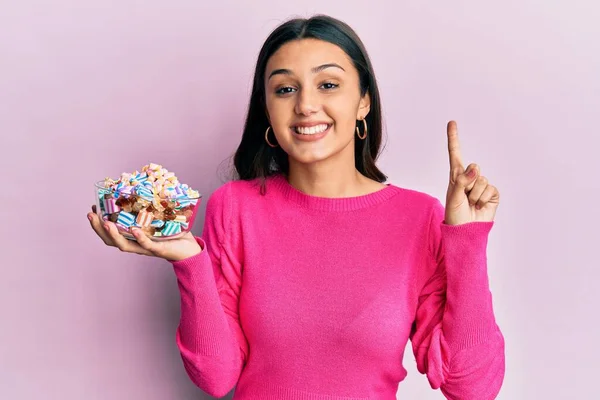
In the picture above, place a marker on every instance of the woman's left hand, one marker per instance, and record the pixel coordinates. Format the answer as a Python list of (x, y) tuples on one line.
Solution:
[(470, 198)]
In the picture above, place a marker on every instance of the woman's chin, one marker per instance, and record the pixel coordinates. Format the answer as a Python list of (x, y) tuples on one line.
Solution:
[(313, 156)]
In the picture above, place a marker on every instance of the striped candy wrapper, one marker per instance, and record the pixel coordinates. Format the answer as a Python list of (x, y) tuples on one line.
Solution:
[(144, 192), (179, 198), (125, 219), (187, 202), (171, 191), (124, 191), (171, 228), (141, 177), (157, 223), (119, 187), (101, 194), (148, 184), (144, 218), (110, 206)]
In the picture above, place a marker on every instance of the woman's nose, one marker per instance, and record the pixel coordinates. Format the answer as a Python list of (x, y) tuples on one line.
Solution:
[(308, 103)]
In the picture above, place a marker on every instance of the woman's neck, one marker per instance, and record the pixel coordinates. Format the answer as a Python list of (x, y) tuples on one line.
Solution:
[(325, 180)]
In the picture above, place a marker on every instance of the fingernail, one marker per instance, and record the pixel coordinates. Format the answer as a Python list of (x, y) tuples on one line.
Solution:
[(472, 172), (106, 227), (90, 217)]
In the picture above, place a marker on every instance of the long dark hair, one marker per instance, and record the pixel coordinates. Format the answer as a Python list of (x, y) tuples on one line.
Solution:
[(254, 158)]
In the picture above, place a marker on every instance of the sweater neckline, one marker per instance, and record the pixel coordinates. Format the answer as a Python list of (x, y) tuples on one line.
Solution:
[(281, 183)]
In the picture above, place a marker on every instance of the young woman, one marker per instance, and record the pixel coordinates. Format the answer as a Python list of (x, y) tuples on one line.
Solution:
[(312, 274)]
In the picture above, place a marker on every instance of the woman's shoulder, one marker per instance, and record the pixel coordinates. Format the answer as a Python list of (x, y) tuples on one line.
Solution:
[(418, 198), (417, 206), (233, 190)]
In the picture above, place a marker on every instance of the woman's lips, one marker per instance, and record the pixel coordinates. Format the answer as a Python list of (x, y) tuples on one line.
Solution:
[(310, 137)]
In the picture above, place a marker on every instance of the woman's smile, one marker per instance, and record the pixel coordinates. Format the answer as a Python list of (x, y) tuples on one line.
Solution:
[(310, 132)]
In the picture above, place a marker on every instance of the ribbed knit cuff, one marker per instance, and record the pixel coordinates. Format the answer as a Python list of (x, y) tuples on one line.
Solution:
[(469, 318), (203, 322), (467, 232)]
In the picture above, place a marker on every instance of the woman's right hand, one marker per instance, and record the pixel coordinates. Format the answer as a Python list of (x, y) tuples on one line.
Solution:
[(171, 250)]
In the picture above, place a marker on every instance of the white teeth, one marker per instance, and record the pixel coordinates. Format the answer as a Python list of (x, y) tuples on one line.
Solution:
[(312, 130)]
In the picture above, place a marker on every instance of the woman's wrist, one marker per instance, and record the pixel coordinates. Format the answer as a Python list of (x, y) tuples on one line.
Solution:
[(194, 249)]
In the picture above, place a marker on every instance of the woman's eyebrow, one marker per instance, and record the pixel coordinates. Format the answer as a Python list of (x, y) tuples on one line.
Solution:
[(284, 71)]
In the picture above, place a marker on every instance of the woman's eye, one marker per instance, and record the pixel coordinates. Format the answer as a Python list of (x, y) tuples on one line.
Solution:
[(329, 86), (289, 89), (285, 90)]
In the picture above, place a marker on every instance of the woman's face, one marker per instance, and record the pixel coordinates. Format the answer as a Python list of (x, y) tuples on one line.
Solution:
[(313, 100)]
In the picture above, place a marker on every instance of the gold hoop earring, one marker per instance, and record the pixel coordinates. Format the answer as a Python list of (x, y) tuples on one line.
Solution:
[(267, 137), (364, 136)]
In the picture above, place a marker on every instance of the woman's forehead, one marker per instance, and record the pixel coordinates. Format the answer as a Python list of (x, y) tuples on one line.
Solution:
[(306, 54)]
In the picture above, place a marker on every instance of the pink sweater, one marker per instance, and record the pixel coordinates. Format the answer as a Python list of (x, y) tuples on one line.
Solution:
[(302, 297)]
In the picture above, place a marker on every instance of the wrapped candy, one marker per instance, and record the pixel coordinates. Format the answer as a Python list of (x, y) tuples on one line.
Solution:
[(157, 223), (110, 205), (144, 192), (171, 228), (125, 219), (144, 218), (152, 199)]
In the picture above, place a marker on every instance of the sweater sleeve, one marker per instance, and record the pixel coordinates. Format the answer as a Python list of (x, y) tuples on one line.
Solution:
[(455, 338), (210, 338)]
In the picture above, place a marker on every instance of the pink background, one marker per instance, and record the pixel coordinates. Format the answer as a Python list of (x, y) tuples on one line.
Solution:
[(92, 89)]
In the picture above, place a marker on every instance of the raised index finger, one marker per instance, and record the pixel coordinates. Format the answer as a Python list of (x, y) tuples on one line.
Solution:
[(454, 146)]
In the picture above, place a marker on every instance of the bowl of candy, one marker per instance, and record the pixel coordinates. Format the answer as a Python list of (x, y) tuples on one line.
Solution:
[(152, 200)]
